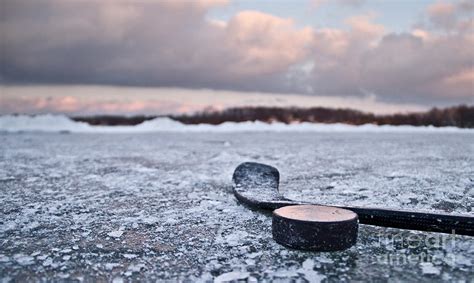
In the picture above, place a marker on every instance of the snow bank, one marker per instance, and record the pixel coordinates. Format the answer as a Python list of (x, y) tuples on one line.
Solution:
[(47, 123), (58, 123)]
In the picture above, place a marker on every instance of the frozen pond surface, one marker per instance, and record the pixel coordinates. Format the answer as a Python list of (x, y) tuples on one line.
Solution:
[(160, 206)]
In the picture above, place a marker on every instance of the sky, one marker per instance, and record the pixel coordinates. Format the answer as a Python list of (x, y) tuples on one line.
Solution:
[(160, 57)]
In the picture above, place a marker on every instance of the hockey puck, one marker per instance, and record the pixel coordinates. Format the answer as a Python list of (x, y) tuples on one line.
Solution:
[(314, 227)]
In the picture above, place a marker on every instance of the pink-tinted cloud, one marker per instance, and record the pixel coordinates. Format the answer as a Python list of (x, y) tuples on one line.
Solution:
[(364, 29), (442, 14), (152, 101), (412, 66), (75, 106), (265, 44), (451, 15)]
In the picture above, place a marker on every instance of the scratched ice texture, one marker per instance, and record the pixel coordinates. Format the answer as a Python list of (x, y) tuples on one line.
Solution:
[(154, 206)]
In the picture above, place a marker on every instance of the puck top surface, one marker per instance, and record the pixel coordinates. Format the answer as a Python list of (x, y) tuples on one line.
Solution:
[(315, 213)]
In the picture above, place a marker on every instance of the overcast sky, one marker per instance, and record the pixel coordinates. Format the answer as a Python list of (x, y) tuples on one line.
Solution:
[(70, 56)]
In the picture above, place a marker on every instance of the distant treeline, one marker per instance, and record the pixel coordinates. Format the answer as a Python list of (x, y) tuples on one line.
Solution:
[(458, 116), (113, 120)]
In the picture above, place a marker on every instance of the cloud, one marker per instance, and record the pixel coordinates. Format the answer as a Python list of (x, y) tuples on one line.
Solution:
[(175, 44), (265, 44), (442, 14), (448, 15), (349, 3), (161, 43), (425, 65), (37, 99)]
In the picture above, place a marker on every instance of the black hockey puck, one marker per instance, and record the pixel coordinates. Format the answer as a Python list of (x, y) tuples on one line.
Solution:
[(314, 227)]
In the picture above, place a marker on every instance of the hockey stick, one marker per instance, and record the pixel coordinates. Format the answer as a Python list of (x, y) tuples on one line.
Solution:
[(256, 185)]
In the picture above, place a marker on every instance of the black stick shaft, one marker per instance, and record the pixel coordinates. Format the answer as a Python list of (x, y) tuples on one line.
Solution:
[(444, 223)]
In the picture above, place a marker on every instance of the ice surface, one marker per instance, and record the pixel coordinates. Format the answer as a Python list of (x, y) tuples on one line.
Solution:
[(120, 207), (58, 123), (231, 276), (115, 234)]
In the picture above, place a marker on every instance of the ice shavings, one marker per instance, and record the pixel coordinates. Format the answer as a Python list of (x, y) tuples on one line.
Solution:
[(116, 234), (231, 276), (24, 259), (428, 268)]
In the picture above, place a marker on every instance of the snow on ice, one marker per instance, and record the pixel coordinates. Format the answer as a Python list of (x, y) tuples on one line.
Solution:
[(159, 205)]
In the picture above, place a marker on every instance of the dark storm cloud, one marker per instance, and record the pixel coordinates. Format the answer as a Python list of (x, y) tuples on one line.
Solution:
[(146, 43)]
